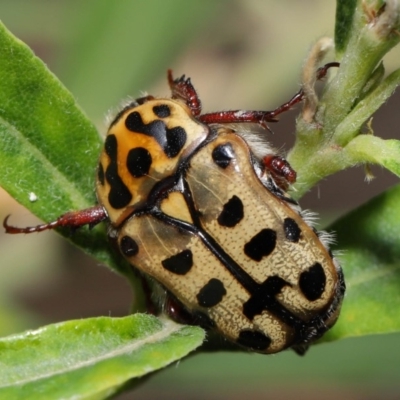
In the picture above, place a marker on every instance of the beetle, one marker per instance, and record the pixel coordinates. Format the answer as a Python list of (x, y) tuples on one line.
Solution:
[(199, 205)]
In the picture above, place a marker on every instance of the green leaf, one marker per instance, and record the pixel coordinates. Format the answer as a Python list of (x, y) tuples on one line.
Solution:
[(345, 10), (48, 147), (372, 149), (369, 242), (43, 131), (90, 358), (347, 129)]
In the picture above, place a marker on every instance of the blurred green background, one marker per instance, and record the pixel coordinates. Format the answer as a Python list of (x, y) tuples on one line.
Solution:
[(239, 54)]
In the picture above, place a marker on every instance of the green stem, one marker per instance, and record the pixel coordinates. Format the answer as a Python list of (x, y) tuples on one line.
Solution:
[(369, 42), (329, 143)]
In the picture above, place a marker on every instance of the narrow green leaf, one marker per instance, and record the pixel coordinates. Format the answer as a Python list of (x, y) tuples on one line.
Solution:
[(90, 358), (369, 240), (372, 149), (344, 17), (351, 125), (43, 131), (48, 148)]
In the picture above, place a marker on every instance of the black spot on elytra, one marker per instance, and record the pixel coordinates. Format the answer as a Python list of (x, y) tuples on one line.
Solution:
[(232, 212), (162, 111), (138, 162), (291, 229), (211, 293), (252, 339), (171, 140), (100, 174), (128, 246), (111, 147), (312, 282), (265, 297), (119, 195), (261, 245), (223, 154), (180, 263)]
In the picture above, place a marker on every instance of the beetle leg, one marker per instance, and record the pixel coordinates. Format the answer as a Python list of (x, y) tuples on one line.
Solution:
[(183, 89), (260, 117), (73, 219), (280, 169)]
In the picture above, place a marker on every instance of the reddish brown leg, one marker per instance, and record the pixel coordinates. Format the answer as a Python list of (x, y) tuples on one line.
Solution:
[(74, 219), (176, 311), (183, 89), (257, 117), (260, 117), (281, 171)]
